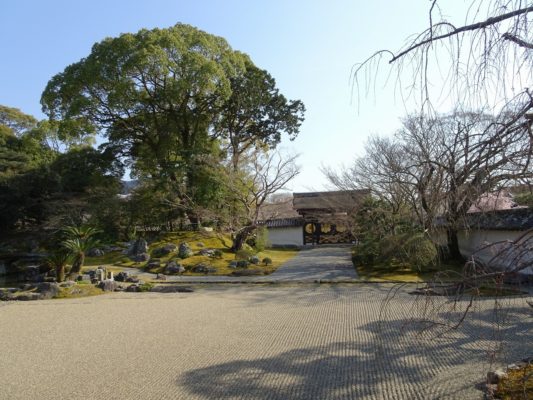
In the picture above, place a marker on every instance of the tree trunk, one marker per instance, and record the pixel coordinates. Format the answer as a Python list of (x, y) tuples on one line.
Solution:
[(76, 266), (453, 244), (241, 236), (60, 273)]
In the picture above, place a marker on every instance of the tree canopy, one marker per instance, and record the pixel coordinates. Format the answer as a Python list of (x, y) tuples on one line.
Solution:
[(178, 106)]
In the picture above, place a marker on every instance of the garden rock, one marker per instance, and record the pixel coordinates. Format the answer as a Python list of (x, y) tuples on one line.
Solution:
[(108, 285), (139, 246), (203, 269), (121, 276), (24, 287), (233, 264), (153, 264), (254, 260), (161, 277), (5, 295), (207, 252), (141, 257), (184, 251), (32, 273), (165, 250), (29, 296), (133, 288), (200, 244), (174, 268), (132, 279), (48, 290), (95, 252)]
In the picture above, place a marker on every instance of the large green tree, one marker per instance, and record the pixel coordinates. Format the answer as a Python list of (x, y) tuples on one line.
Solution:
[(154, 95), (256, 114), (171, 101)]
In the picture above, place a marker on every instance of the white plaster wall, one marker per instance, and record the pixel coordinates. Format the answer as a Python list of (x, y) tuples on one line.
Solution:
[(471, 242), (289, 236)]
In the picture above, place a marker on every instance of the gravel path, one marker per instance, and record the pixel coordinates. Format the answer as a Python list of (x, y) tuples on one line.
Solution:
[(319, 263), (253, 342)]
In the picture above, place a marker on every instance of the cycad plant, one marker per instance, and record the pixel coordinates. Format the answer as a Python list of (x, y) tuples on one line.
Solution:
[(59, 260), (79, 239)]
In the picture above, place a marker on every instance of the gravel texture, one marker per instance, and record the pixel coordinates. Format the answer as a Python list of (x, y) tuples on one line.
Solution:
[(251, 342)]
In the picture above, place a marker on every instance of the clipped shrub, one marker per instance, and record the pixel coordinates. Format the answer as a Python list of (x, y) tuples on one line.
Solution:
[(146, 287), (217, 253), (261, 239), (244, 254), (254, 260), (242, 264), (365, 253), (267, 261), (421, 252)]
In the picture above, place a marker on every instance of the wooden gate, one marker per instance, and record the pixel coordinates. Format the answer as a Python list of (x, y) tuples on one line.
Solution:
[(325, 233)]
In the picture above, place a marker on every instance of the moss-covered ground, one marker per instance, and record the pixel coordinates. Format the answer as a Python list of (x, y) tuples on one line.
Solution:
[(400, 272), (517, 385), (197, 240)]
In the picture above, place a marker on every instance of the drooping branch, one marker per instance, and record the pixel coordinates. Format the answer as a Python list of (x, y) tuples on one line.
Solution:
[(456, 31)]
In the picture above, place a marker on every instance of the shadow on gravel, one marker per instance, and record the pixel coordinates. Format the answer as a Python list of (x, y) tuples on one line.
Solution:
[(390, 359)]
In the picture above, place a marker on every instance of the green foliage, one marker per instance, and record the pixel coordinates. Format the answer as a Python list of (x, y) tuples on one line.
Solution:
[(217, 253), (256, 113), (58, 260), (261, 239), (244, 254), (146, 287), (169, 81), (242, 264), (387, 236), (77, 240), (267, 261)]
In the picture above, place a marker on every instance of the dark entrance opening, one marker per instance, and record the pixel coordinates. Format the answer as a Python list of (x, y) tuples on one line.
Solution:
[(325, 233)]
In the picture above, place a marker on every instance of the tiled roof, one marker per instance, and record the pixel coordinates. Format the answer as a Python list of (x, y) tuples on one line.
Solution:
[(334, 200), (283, 222)]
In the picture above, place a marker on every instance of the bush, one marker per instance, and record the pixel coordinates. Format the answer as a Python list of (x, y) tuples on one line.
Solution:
[(421, 252), (146, 287), (261, 239), (414, 249), (244, 254), (267, 261), (254, 260), (242, 264), (217, 253)]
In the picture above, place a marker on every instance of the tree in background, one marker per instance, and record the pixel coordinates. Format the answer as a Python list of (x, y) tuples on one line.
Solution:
[(262, 175), (256, 114), (170, 101), (153, 94), (440, 166)]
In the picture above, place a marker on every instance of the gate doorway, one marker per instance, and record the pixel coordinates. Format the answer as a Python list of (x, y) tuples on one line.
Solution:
[(325, 233)]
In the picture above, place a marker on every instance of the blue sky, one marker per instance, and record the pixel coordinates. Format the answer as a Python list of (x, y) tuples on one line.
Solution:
[(308, 46)]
